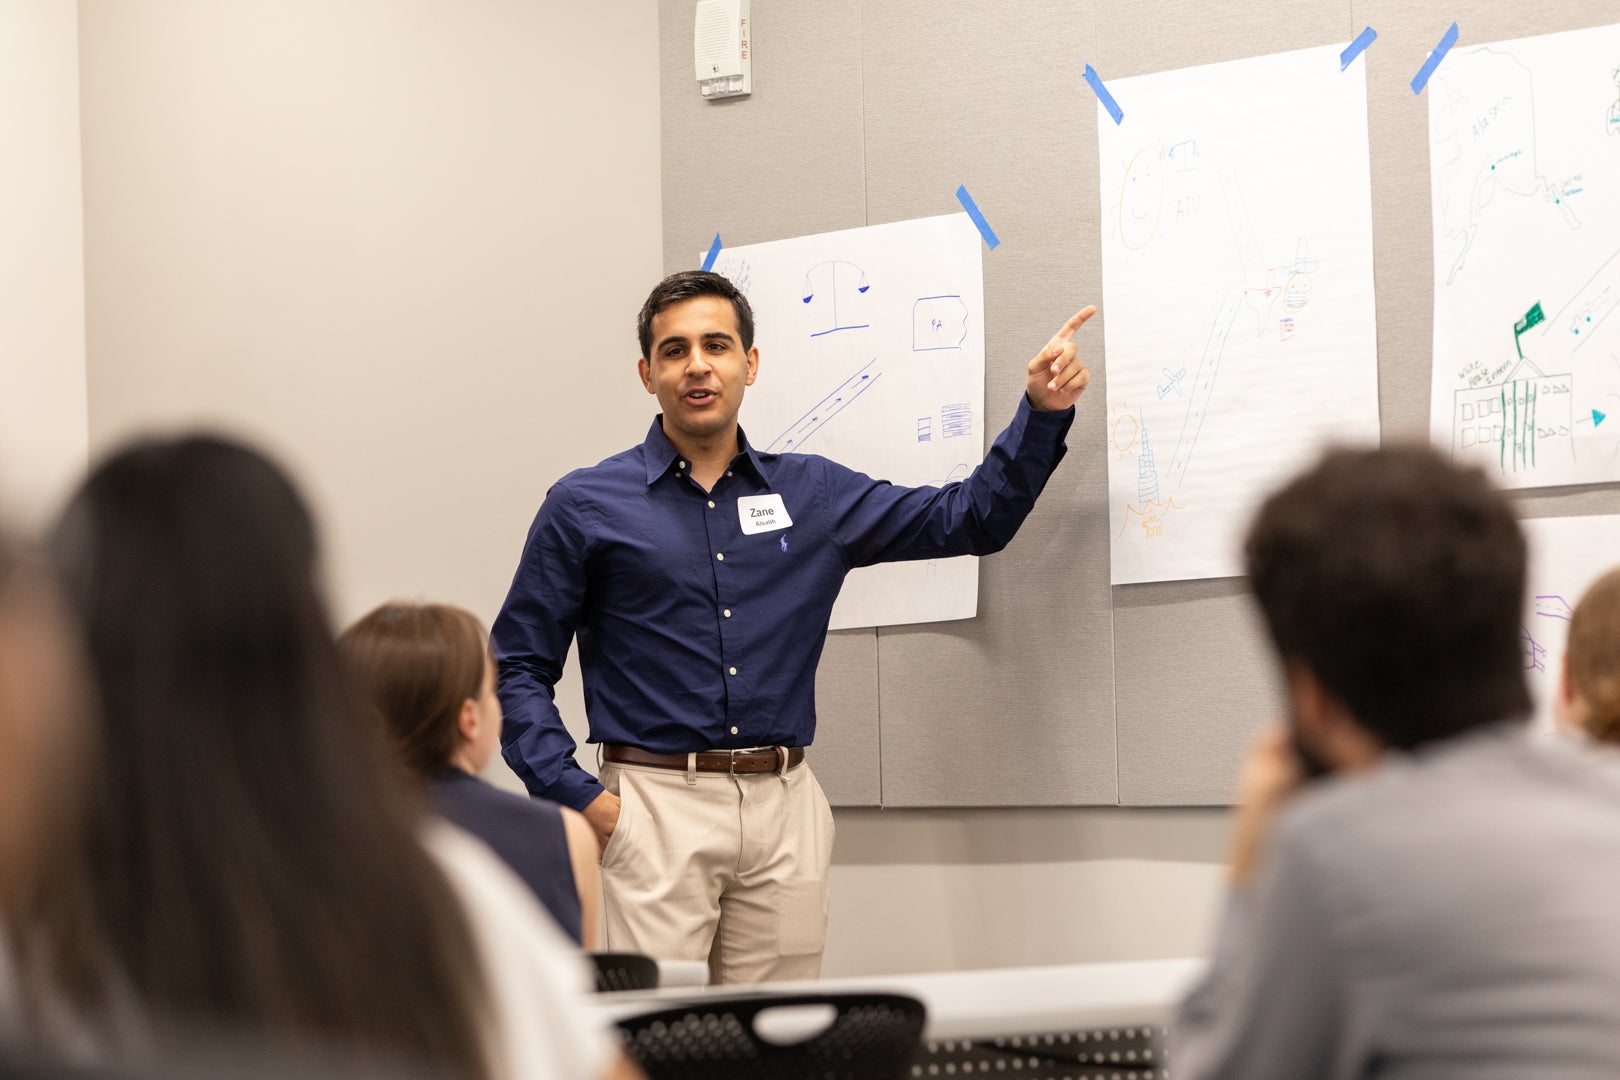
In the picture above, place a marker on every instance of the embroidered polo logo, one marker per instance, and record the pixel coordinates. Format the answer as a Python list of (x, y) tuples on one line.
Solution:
[(784, 543)]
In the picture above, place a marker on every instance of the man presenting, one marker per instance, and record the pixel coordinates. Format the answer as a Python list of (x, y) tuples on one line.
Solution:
[(698, 574)]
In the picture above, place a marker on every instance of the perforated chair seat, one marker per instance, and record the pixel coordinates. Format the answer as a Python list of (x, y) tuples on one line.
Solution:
[(624, 971), (870, 1037)]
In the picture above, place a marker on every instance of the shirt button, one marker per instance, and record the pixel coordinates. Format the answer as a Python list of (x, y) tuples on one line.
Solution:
[(728, 472), (727, 613), (720, 555), (734, 731), (680, 464), (711, 504), (734, 671)]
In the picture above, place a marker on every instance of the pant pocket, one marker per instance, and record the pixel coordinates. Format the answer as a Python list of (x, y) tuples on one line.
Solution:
[(629, 805)]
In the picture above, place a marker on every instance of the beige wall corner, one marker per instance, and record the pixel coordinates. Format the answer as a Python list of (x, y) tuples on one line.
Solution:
[(42, 363)]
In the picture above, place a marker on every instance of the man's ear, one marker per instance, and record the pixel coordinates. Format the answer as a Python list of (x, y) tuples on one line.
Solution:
[(644, 369), (753, 366), (467, 721)]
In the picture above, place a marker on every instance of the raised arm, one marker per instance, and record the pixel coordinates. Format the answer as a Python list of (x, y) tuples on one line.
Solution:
[(876, 521)]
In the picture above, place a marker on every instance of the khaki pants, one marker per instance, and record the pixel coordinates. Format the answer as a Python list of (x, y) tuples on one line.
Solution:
[(727, 869)]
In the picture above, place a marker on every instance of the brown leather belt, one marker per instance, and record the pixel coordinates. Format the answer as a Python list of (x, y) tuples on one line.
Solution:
[(759, 760)]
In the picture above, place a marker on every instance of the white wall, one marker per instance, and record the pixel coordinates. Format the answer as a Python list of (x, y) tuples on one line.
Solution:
[(42, 366), (402, 242)]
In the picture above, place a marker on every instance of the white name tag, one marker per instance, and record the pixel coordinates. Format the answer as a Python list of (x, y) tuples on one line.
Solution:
[(762, 513)]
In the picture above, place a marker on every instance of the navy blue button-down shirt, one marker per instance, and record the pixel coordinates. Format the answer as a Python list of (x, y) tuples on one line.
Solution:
[(692, 633)]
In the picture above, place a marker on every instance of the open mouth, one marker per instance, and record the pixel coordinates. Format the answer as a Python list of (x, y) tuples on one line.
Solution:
[(698, 397)]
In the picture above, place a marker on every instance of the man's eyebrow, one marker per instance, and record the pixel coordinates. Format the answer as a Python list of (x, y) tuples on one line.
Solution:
[(680, 339)]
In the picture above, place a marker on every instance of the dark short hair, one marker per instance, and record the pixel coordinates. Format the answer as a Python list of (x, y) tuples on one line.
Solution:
[(1397, 579), (688, 285)]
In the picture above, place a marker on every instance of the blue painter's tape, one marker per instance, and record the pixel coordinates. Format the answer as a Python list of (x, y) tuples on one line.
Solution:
[(1103, 95), (714, 253), (972, 208), (1357, 47), (1421, 79)]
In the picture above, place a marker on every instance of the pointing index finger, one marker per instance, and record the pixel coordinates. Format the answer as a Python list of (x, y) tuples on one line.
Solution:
[(1076, 322)]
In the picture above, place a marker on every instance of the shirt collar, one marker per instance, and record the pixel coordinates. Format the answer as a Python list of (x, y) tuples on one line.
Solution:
[(658, 453)]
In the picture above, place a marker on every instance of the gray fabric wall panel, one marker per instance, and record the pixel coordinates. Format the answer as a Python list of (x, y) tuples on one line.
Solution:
[(1014, 707), (846, 755), (784, 161), (1163, 35), (1194, 685)]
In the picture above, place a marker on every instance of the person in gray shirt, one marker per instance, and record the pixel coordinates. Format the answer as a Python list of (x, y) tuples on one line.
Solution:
[(1440, 901)]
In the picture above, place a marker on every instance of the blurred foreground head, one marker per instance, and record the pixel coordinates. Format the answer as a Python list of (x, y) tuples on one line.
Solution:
[(249, 866), (1396, 580)]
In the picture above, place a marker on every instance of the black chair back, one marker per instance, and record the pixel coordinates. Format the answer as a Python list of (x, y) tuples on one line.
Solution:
[(870, 1037)]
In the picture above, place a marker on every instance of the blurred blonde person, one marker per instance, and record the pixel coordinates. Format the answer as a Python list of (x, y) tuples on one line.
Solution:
[(428, 677), (1588, 696)]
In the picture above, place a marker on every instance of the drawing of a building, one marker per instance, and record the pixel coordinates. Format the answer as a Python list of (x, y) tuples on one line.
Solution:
[(1519, 423), (1147, 474)]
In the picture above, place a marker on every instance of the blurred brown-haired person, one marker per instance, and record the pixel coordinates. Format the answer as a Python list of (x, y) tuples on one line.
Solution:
[(428, 677), (1418, 888), (41, 740), (1588, 697), (251, 869)]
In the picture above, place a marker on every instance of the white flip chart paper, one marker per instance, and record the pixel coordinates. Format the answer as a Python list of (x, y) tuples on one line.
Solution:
[(871, 349), (1524, 164), (1237, 297)]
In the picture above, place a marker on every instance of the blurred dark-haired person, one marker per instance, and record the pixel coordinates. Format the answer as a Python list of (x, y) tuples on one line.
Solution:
[(251, 867), (698, 573), (1588, 696), (428, 675), (1440, 903), (42, 731)]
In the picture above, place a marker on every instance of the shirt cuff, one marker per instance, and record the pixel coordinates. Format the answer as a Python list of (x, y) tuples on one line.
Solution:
[(576, 789), (1032, 428), (1040, 419)]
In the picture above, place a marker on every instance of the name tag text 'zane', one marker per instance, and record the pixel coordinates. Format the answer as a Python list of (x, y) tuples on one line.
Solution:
[(762, 513)]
